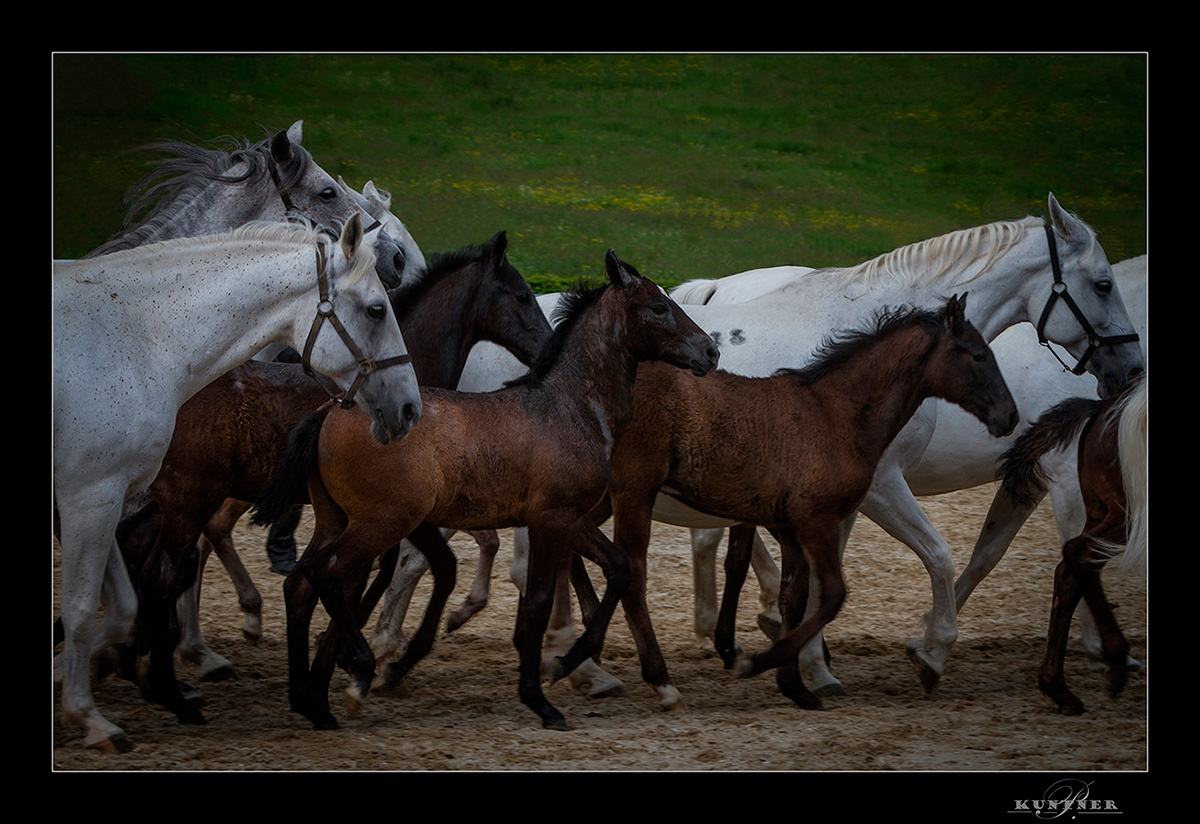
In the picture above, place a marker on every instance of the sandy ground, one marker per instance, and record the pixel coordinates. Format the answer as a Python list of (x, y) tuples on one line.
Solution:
[(463, 713)]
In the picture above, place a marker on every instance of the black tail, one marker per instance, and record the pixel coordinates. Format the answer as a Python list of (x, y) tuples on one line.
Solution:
[(1021, 475), (289, 485)]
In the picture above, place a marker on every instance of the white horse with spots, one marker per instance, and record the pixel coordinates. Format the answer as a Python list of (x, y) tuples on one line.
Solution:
[(135, 334)]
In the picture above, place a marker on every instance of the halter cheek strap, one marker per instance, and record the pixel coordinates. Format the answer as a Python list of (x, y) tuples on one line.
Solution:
[(1059, 292), (325, 313)]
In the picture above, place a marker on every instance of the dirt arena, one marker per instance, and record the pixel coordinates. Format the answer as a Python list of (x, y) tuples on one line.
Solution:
[(464, 714)]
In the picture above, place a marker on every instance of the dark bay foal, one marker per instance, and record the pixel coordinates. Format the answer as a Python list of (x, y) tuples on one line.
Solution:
[(794, 453), (535, 453)]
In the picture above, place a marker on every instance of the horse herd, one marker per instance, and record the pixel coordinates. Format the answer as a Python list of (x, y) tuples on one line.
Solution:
[(442, 395)]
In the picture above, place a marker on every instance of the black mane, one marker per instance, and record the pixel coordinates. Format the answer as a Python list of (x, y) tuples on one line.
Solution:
[(439, 266), (572, 305), (840, 347)]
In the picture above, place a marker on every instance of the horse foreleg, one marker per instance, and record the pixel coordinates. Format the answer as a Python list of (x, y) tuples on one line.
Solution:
[(546, 556), (594, 545), (589, 677), (444, 566), (820, 547), (737, 566), (91, 563), (631, 533), (169, 571)]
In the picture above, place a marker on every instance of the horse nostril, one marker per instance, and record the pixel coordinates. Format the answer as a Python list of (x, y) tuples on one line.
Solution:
[(410, 413), (399, 261)]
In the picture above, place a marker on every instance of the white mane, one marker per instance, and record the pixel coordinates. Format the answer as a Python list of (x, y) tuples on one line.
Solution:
[(945, 256)]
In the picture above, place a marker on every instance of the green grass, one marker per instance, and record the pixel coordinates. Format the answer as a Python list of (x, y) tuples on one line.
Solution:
[(687, 165)]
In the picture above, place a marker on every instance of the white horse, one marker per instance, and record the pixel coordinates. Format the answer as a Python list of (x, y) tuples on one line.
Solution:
[(958, 455), (193, 647), (195, 191), (1010, 269), (136, 333)]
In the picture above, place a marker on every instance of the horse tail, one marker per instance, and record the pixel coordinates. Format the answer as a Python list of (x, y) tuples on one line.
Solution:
[(1132, 442), (694, 292), (289, 485), (1022, 477)]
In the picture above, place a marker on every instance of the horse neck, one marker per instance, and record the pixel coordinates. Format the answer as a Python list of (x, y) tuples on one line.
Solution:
[(880, 387), (440, 327), (223, 314), (595, 368), (1002, 289)]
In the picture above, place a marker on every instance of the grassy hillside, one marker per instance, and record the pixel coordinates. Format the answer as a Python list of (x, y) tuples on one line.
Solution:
[(687, 165)]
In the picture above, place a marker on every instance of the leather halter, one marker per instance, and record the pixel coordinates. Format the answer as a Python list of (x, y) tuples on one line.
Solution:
[(1059, 292), (325, 313)]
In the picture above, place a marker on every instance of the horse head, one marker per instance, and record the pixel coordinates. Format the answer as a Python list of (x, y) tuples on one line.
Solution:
[(965, 372), (369, 360), (1084, 310), (656, 327)]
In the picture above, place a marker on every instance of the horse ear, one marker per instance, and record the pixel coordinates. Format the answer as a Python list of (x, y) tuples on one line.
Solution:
[(295, 132), (619, 272), (956, 313), (352, 236), (1064, 223), (498, 245), (281, 148)]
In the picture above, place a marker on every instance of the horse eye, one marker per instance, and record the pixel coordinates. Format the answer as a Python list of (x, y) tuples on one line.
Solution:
[(377, 311), (1104, 287), (659, 308), (328, 193), (523, 298)]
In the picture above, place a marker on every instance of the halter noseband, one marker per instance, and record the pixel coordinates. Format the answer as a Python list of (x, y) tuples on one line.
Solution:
[(1059, 292), (325, 313)]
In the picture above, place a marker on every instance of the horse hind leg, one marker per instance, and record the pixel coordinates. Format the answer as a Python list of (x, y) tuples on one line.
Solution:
[(477, 597), (1051, 679), (218, 538)]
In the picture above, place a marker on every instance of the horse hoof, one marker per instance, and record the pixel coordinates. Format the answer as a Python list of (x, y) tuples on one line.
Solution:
[(744, 668), (770, 625), (112, 744), (192, 717), (926, 672), (556, 724), (225, 672), (1071, 706), (833, 688), (354, 701)]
